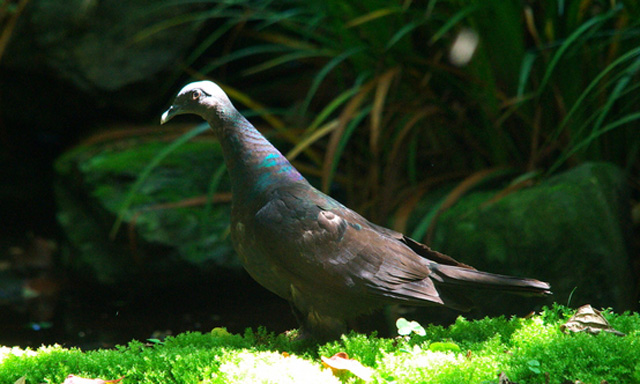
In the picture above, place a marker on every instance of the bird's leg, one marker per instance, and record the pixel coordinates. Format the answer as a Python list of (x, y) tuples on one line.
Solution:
[(319, 327), (303, 331), (299, 317)]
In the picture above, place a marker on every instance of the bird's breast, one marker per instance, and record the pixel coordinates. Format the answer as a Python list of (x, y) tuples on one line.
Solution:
[(255, 260)]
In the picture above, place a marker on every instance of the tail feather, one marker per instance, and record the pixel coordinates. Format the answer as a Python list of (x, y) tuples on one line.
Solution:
[(463, 277)]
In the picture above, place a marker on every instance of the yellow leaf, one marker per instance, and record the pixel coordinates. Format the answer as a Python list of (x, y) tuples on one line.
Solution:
[(341, 362)]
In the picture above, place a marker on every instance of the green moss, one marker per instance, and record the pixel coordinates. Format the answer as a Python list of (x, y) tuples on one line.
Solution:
[(111, 172), (268, 367), (573, 221), (530, 350), (168, 212)]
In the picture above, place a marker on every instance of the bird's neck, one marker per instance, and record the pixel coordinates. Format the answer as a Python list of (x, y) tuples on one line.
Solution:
[(254, 164)]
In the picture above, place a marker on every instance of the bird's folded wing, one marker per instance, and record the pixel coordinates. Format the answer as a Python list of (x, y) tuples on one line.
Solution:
[(327, 242)]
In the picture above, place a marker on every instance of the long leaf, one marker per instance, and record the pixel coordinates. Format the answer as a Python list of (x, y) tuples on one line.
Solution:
[(317, 80), (456, 193), (594, 135), (592, 85), (525, 71), (241, 54), (344, 139), (451, 22), (216, 13), (347, 114), (378, 13), (208, 42), (254, 105), (284, 59), (281, 17), (331, 107), (400, 138), (615, 93), (568, 43), (402, 32), (379, 98), (307, 141), (284, 41)]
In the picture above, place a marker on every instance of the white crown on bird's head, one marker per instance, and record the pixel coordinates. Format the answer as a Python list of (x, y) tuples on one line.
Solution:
[(194, 95)]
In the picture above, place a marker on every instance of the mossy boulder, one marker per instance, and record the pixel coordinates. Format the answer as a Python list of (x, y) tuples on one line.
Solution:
[(569, 230), (171, 230)]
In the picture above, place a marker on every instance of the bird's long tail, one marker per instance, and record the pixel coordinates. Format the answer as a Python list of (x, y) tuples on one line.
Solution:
[(453, 276)]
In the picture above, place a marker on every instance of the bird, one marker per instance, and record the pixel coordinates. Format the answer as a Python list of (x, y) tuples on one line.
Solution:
[(327, 260)]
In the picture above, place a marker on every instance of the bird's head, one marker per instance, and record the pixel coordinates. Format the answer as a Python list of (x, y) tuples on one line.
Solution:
[(203, 98)]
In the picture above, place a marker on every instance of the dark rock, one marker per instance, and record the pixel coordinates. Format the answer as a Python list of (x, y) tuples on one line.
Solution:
[(100, 45), (108, 60), (170, 232), (569, 230)]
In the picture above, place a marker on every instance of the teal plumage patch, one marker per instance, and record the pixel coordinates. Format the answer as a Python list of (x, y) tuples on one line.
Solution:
[(270, 160)]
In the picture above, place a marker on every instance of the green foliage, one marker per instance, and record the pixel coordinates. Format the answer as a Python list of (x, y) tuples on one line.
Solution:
[(573, 357), (366, 349), (444, 346), (531, 350), (371, 86), (268, 367), (406, 327)]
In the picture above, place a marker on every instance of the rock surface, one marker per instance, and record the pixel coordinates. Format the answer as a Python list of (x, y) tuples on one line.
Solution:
[(569, 230), (169, 233), (100, 45)]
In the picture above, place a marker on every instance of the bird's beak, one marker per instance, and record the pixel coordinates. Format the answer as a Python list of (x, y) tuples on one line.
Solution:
[(169, 113)]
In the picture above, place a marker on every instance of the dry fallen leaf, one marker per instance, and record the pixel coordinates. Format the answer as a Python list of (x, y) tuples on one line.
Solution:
[(503, 379), (22, 380), (590, 320), (72, 379), (341, 362)]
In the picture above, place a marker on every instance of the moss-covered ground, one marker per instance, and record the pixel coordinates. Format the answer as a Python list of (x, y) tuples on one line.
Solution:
[(531, 350)]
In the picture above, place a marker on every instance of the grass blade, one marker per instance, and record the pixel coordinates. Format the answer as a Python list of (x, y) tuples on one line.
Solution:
[(592, 85), (378, 13), (331, 107), (307, 141), (402, 32), (568, 43), (317, 80), (379, 98), (455, 195), (593, 136), (333, 161), (293, 56), (525, 71), (242, 53), (451, 22), (347, 114)]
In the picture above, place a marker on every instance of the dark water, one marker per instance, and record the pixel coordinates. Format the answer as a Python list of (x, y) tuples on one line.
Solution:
[(90, 317)]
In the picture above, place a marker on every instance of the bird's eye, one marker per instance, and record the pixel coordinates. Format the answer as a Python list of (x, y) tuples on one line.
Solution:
[(196, 94)]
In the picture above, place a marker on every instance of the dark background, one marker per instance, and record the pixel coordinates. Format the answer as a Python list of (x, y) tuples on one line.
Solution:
[(69, 72)]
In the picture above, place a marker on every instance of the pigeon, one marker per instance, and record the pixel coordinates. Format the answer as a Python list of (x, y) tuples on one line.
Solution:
[(327, 260)]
